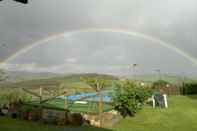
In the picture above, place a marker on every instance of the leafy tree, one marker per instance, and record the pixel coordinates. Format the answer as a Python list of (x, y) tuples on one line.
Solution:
[(159, 84), (96, 84), (8, 95), (189, 88), (129, 98)]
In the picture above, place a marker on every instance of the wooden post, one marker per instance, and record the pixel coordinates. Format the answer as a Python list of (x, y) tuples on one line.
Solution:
[(40, 94), (40, 106), (101, 108), (65, 100), (100, 105)]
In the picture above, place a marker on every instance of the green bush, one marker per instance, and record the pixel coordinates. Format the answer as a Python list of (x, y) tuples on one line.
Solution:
[(159, 84), (129, 98), (189, 88), (165, 87), (8, 95)]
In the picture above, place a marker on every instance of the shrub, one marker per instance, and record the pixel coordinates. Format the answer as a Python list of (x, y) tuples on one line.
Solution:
[(157, 85), (165, 87), (129, 98), (189, 88)]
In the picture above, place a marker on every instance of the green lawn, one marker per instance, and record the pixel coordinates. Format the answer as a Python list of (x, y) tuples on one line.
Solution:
[(8, 124), (181, 116)]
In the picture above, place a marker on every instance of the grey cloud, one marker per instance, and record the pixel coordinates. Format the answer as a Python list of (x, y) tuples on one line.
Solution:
[(173, 21), (107, 54)]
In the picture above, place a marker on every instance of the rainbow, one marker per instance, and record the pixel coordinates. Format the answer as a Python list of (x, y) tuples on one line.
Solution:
[(126, 32)]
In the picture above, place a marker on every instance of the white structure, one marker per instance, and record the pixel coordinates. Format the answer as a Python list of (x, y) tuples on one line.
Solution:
[(81, 102), (153, 101), (165, 100), (142, 84)]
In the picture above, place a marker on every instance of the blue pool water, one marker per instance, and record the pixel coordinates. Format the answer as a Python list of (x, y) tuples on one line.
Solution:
[(80, 96), (88, 97), (105, 99)]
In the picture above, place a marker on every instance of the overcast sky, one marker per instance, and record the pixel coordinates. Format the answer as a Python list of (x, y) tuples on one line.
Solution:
[(172, 21)]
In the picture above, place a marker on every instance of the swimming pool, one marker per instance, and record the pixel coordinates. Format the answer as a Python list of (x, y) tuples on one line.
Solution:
[(89, 97)]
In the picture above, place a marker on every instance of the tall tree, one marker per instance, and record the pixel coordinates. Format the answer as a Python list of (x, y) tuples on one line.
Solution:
[(129, 97)]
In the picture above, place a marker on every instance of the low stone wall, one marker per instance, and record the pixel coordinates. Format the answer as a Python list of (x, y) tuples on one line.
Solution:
[(109, 119)]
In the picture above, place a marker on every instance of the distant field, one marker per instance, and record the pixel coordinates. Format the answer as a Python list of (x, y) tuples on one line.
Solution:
[(181, 116), (166, 77), (55, 81)]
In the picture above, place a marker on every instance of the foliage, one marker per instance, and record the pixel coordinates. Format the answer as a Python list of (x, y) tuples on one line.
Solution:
[(8, 95), (189, 88), (96, 83), (166, 87), (129, 98), (159, 84)]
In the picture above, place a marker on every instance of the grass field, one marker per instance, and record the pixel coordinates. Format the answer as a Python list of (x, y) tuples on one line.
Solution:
[(8, 124), (181, 116)]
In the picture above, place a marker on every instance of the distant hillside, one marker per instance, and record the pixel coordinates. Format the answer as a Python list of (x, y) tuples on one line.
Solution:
[(57, 80), (15, 76), (166, 77)]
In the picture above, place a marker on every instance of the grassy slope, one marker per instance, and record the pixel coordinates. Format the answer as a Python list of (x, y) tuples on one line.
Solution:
[(8, 124), (167, 77), (56, 81), (152, 78), (181, 116)]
